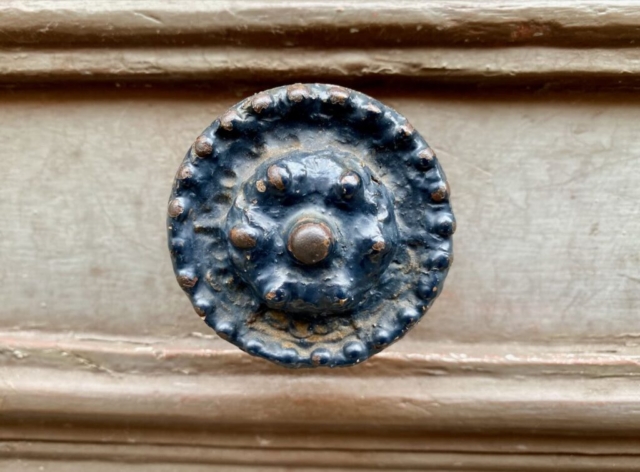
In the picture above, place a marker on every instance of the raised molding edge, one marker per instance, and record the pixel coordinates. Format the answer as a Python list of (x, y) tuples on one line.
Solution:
[(332, 22), (453, 387), (154, 457), (580, 43), (193, 400), (440, 406), (525, 65)]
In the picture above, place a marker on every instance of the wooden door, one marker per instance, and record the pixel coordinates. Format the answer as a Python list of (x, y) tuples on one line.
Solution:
[(528, 360)]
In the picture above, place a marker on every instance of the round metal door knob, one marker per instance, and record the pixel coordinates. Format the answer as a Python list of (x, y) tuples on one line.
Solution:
[(310, 225)]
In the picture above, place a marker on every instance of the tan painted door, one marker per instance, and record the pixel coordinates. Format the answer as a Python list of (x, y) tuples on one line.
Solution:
[(529, 359)]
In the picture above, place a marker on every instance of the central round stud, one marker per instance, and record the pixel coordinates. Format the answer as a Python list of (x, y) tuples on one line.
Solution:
[(310, 242)]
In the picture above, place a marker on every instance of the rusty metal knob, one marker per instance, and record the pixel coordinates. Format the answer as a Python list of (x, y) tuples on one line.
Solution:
[(310, 225)]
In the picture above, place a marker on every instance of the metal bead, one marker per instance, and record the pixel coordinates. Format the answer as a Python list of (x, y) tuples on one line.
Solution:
[(350, 184), (426, 158), (338, 95), (310, 243), (260, 102), (277, 177), (227, 120), (297, 92), (243, 237), (176, 208), (203, 146)]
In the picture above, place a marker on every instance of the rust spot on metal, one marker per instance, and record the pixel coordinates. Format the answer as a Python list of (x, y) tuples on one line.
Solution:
[(440, 194), (184, 172), (203, 146), (226, 120), (274, 174), (175, 208), (297, 92), (278, 319), (426, 157), (309, 243), (260, 185), (406, 130), (260, 101), (242, 238), (200, 312), (321, 329), (316, 359), (186, 281), (338, 95), (300, 329), (378, 246)]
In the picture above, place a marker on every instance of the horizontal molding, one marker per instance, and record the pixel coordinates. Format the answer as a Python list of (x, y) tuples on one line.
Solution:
[(452, 387), (323, 23), (75, 397), (278, 459), (524, 65), (208, 355), (565, 43)]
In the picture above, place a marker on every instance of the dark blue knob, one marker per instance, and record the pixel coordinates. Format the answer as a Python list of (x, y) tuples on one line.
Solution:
[(310, 225)]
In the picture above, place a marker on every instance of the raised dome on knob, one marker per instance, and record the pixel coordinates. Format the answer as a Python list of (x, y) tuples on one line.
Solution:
[(310, 242)]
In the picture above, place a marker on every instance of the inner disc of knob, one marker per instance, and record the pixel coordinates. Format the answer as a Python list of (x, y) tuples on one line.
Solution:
[(310, 242), (312, 232)]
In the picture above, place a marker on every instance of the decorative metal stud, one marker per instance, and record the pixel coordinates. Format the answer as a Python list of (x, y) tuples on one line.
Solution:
[(337, 242), (203, 146)]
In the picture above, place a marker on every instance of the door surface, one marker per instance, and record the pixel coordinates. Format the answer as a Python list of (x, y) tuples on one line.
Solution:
[(528, 360)]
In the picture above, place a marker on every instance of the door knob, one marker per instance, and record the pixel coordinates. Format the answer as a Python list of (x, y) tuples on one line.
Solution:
[(310, 225)]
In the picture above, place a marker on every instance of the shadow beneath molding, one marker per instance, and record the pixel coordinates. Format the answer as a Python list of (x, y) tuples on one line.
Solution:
[(595, 91)]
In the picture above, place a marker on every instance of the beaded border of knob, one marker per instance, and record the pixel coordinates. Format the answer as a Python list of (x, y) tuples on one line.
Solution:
[(310, 117)]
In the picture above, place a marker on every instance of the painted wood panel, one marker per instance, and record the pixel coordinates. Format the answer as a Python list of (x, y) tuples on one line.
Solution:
[(543, 188), (528, 361)]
